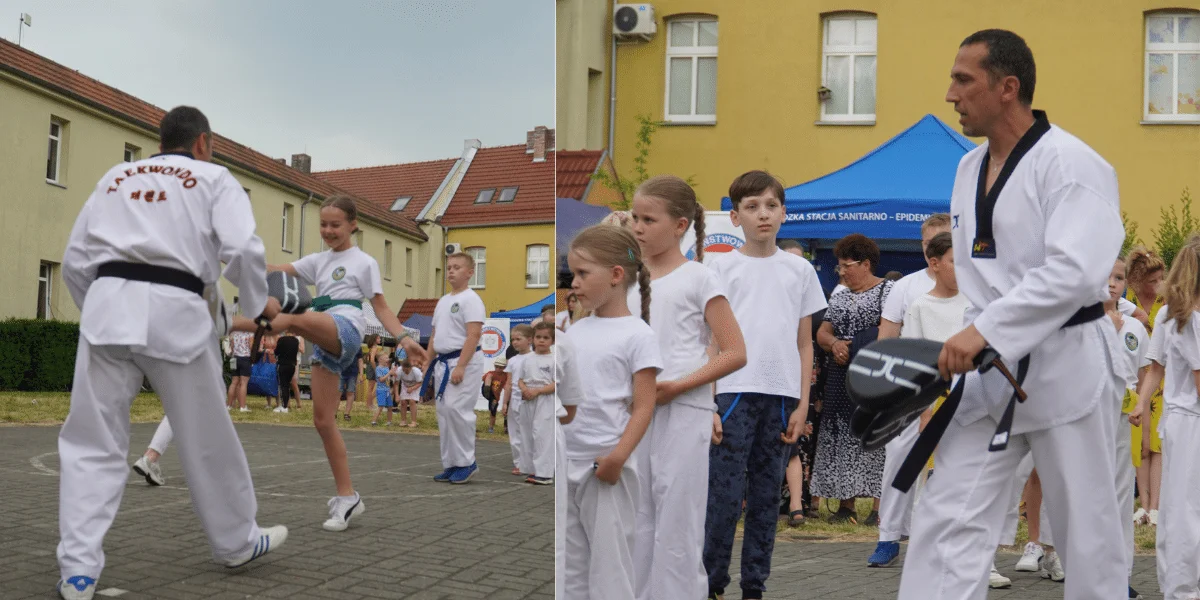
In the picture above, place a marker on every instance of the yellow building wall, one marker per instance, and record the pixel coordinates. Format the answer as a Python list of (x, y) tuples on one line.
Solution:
[(583, 51), (36, 217), (1090, 70), (504, 284)]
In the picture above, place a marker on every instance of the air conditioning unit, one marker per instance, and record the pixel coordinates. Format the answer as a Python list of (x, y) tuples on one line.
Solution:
[(453, 249), (634, 20)]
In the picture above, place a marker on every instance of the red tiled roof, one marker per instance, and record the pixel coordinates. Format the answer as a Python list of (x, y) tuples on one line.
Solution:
[(60, 79), (498, 168), (416, 306), (574, 171), (383, 185)]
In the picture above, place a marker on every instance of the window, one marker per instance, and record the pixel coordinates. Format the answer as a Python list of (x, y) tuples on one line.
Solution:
[(537, 266), (400, 203), (691, 71), (408, 266), (1172, 87), (387, 260), (479, 280), (848, 68), (358, 237), (288, 211), (132, 153), (485, 196), (45, 289), (507, 194), (54, 152)]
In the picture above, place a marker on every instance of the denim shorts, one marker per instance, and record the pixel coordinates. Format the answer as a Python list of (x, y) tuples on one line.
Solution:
[(344, 365)]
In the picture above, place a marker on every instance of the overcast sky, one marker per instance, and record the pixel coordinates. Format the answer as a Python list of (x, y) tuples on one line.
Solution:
[(352, 83)]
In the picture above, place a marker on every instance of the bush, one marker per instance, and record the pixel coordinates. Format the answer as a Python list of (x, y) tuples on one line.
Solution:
[(37, 355), (1174, 228)]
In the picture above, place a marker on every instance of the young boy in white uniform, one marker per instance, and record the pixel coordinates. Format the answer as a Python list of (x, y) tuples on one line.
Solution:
[(536, 382), (1036, 229), (148, 241), (455, 367), (522, 341)]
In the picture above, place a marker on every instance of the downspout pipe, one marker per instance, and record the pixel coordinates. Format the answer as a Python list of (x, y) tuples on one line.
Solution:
[(302, 205), (612, 91)]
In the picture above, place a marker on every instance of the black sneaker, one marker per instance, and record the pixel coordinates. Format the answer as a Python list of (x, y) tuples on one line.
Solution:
[(844, 515), (1133, 595), (872, 519)]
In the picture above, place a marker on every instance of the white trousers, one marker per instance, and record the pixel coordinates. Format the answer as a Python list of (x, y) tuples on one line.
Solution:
[(672, 503), (896, 507), (1125, 478), (514, 432), (162, 437), (537, 431), (599, 533), (964, 503), (560, 511), (93, 448), (456, 413), (1178, 537)]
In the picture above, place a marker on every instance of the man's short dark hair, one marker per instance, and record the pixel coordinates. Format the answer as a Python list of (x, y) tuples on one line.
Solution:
[(939, 245), (548, 307), (1008, 54), (181, 127), (753, 183)]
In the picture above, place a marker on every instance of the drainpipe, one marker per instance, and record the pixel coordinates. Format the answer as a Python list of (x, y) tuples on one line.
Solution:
[(302, 205), (445, 240), (612, 91)]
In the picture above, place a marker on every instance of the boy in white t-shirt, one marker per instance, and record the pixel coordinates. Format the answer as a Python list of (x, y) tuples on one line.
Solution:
[(536, 382), (408, 379), (763, 407), (522, 342), (913, 285), (456, 368)]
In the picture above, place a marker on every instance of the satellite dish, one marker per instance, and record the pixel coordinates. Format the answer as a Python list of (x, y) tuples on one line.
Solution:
[(626, 19), (28, 19)]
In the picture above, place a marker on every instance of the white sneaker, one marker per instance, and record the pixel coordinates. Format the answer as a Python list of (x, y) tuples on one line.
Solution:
[(1031, 559), (1153, 514), (1139, 516), (1052, 568), (150, 470), (341, 511), (283, 410), (243, 410), (77, 588), (278, 409), (269, 539), (997, 581)]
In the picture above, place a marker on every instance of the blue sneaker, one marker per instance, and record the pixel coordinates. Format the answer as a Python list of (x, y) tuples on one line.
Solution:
[(885, 555), (445, 475), (463, 474), (78, 587)]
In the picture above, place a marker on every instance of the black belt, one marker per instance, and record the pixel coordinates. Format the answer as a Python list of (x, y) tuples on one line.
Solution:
[(929, 438), (152, 274)]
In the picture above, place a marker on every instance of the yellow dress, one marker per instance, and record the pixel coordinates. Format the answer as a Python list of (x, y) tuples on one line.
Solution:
[(1156, 401)]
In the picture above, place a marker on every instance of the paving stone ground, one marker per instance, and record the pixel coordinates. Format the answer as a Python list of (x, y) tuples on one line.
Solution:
[(820, 571), (492, 538)]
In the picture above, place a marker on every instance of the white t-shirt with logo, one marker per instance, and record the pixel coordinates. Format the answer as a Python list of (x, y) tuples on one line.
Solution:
[(513, 368), (1182, 352), (450, 319), (1154, 352), (414, 376), (905, 292), (677, 303), (609, 351), (933, 318), (537, 370), (347, 275), (1132, 344), (769, 297)]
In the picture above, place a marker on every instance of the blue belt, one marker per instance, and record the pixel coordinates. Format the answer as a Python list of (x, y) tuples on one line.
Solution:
[(442, 359), (738, 398)]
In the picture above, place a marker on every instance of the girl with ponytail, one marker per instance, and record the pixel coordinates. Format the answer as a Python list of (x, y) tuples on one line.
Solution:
[(1144, 271), (618, 362), (688, 311)]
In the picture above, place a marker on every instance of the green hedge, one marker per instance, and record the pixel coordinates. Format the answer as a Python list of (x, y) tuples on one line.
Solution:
[(36, 355)]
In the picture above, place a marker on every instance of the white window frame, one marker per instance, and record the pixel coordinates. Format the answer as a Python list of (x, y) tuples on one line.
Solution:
[(1174, 49), (408, 267), (132, 153), (532, 263), (852, 52), (288, 210), (387, 259), (46, 278), (57, 140), (479, 279), (695, 53)]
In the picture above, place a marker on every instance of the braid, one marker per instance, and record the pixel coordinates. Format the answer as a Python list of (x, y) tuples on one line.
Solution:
[(643, 277), (698, 225)]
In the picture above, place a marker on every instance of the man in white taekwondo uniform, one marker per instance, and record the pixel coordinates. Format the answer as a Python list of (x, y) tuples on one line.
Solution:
[(148, 241), (1036, 229)]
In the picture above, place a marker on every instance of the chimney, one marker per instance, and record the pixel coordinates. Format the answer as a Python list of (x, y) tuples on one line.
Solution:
[(302, 163), (282, 161), (535, 141)]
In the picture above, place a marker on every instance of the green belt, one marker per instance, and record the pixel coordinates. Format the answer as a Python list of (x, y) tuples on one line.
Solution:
[(324, 303)]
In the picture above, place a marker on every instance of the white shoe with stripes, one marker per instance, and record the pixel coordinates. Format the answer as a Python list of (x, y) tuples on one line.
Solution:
[(269, 539)]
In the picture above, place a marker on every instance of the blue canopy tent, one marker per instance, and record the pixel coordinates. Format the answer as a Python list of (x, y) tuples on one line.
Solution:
[(525, 314), (884, 195), (421, 323), (572, 216)]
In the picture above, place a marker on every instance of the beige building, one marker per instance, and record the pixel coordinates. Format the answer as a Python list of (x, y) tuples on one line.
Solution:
[(583, 79), (62, 131)]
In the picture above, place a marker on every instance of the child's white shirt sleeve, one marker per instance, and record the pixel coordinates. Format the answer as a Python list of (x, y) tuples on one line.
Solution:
[(475, 312), (306, 268), (374, 284)]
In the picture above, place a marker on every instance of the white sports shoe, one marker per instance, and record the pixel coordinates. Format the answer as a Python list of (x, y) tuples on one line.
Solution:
[(77, 588), (341, 511), (269, 539), (243, 410), (1153, 514), (997, 581), (1052, 568), (283, 410), (1031, 559), (150, 470), (1140, 517)]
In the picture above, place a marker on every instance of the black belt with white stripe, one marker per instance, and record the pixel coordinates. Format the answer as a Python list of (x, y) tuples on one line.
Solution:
[(152, 274)]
